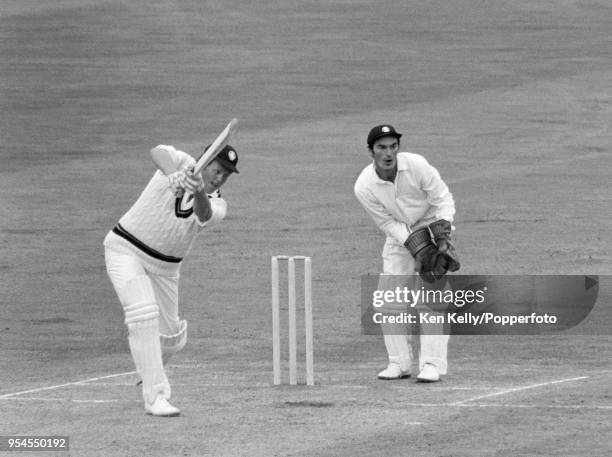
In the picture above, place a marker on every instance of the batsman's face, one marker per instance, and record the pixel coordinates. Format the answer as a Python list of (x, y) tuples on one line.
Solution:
[(384, 151), (214, 176)]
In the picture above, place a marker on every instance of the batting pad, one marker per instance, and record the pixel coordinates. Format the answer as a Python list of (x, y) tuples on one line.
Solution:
[(138, 300), (146, 352)]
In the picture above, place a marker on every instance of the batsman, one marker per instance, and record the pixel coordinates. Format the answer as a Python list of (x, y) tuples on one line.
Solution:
[(414, 208), (144, 253)]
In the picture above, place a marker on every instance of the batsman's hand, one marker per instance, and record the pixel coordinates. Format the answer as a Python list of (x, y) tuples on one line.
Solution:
[(193, 183), (185, 181), (174, 182)]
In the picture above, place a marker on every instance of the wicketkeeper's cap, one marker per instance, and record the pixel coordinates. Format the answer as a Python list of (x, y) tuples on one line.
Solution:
[(380, 131), (228, 157)]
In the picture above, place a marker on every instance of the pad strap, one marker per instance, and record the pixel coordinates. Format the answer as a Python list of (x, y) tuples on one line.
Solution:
[(174, 343)]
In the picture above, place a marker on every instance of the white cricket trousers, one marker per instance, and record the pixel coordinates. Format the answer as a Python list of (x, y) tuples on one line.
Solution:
[(124, 263), (150, 304), (433, 340)]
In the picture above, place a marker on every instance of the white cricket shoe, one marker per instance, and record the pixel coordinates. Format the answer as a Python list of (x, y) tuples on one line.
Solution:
[(429, 373), (161, 408), (393, 371)]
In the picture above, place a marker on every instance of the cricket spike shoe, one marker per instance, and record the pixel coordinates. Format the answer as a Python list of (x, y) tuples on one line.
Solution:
[(161, 408), (393, 371)]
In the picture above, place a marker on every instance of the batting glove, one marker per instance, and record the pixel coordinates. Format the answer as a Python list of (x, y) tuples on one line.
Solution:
[(175, 182), (185, 181), (193, 183)]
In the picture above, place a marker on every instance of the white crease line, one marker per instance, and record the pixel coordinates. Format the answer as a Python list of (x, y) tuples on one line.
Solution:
[(64, 400), (59, 386), (503, 405), (517, 389)]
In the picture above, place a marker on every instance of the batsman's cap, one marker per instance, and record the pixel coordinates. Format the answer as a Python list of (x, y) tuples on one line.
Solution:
[(380, 131), (228, 157)]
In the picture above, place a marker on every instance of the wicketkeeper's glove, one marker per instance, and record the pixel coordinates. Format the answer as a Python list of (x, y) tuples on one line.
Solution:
[(447, 260), (425, 253)]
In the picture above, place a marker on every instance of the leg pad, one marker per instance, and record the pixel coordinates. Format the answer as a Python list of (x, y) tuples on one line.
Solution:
[(138, 300)]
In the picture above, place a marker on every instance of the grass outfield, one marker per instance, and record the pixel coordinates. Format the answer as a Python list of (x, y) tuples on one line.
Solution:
[(510, 102)]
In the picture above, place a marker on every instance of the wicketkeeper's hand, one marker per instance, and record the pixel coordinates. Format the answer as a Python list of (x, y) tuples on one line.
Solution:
[(448, 260), (425, 253)]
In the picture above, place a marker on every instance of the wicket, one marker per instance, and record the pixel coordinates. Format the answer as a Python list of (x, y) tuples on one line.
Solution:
[(291, 298)]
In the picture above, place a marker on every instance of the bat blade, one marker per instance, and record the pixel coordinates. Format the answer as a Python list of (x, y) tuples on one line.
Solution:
[(214, 149)]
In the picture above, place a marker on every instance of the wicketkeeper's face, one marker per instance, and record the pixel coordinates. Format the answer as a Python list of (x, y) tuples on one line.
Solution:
[(384, 151)]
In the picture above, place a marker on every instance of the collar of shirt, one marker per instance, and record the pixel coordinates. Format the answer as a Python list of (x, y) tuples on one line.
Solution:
[(402, 165)]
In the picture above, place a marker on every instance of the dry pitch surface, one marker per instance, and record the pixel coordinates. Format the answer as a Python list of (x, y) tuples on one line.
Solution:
[(511, 101)]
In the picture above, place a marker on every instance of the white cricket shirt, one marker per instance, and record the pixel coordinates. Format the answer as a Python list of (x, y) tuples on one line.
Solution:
[(161, 224), (417, 198)]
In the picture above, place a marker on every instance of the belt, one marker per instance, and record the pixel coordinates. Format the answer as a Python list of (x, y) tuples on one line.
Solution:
[(123, 233)]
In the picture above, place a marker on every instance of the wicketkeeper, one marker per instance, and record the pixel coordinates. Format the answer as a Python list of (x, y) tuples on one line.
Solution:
[(410, 203), (144, 252)]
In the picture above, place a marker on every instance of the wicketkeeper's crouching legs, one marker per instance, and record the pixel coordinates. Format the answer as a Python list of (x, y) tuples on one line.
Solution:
[(398, 267), (434, 335), (396, 337), (433, 351)]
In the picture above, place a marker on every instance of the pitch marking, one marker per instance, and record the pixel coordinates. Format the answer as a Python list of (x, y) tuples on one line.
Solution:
[(504, 405), (74, 400), (517, 389), (59, 386), (507, 405)]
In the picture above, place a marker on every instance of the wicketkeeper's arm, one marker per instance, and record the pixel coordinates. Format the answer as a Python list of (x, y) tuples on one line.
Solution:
[(382, 217)]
